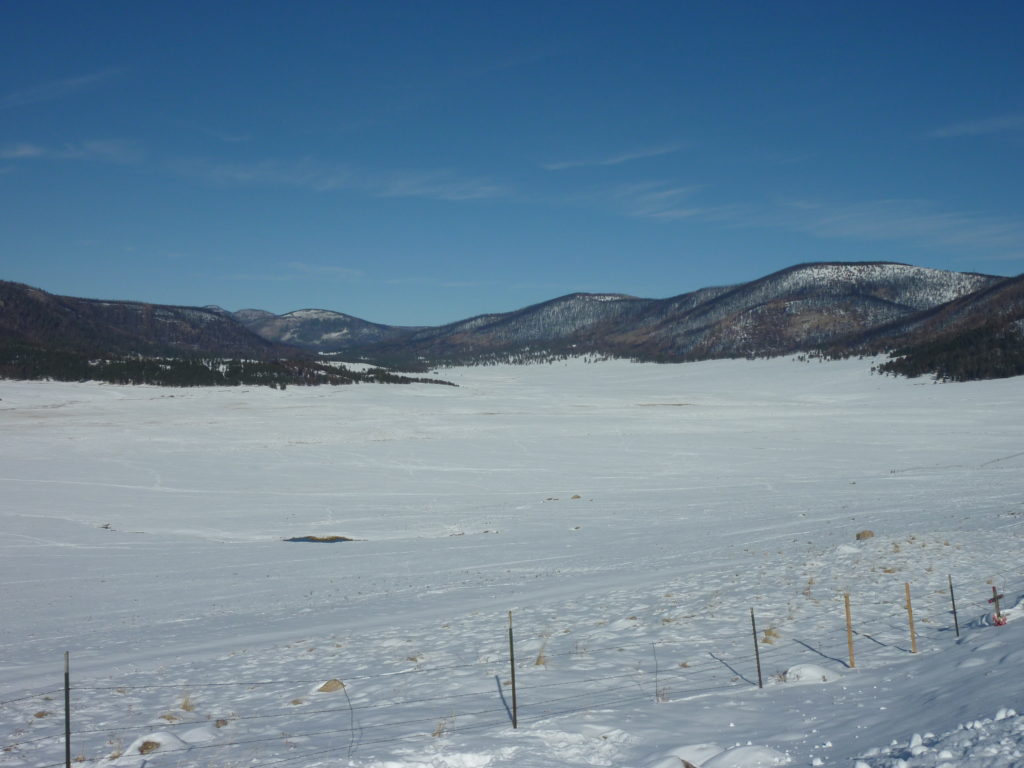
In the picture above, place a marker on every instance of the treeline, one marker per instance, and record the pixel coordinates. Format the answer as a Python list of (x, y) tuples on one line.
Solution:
[(34, 363), (424, 359), (989, 352)]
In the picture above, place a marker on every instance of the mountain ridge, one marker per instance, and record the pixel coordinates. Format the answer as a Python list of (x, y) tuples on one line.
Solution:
[(802, 307), (837, 308)]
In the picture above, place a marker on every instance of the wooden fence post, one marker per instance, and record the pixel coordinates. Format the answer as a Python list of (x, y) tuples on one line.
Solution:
[(757, 651), (512, 663), (997, 618), (910, 618), (952, 598), (657, 692), (67, 709), (849, 629)]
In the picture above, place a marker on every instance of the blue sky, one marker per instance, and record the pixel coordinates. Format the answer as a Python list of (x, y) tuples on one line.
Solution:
[(422, 162)]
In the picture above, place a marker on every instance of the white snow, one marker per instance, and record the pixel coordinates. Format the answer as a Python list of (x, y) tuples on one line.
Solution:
[(809, 673), (315, 314), (629, 516)]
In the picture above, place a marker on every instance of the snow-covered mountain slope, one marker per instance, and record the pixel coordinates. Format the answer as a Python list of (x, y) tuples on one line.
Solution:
[(319, 330), (804, 307), (999, 304), (34, 318), (834, 306), (629, 516)]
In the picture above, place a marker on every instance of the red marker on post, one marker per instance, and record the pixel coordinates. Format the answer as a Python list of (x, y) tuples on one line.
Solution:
[(998, 619)]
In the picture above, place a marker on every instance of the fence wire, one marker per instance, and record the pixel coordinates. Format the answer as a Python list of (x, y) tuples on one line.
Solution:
[(636, 674)]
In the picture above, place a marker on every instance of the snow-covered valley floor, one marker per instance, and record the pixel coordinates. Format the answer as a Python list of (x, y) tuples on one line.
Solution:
[(629, 517)]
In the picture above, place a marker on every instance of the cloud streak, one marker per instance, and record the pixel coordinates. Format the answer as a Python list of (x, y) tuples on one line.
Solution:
[(21, 151), (1004, 124), (656, 199), (429, 185), (120, 151), (56, 89), (619, 159), (325, 270), (912, 221)]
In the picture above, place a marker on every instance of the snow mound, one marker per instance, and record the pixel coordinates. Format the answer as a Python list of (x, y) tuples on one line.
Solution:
[(139, 751), (810, 673), (747, 757), (994, 743), (694, 754), (455, 760)]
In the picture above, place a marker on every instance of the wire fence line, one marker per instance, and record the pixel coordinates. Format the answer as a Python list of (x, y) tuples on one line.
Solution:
[(551, 685)]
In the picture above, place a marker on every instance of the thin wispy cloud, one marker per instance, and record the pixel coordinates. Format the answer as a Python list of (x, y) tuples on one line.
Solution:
[(1003, 124), (436, 185), (435, 282), (257, 277), (429, 185), (920, 222), (643, 199), (301, 173), (325, 270), (120, 151), (21, 151), (56, 89), (618, 159), (227, 137), (914, 222), (295, 271)]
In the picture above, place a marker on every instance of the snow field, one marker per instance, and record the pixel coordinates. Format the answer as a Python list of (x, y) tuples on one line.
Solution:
[(144, 533)]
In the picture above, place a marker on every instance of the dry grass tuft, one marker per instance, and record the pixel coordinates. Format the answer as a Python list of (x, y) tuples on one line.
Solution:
[(42, 713), (148, 746), (541, 660), (331, 686), (442, 726), (186, 703), (807, 589), (770, 636)]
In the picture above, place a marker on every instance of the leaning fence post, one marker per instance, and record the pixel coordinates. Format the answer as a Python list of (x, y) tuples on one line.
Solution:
[(67, 709), (952, 599), (512, 664), (849, 629), (997, 619), (757, 651), (910, 619)]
